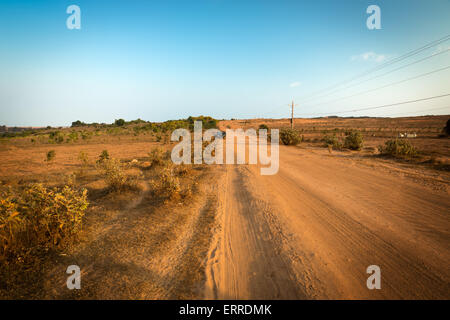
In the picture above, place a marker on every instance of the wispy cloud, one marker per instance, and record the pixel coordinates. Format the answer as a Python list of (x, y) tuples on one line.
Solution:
[(441, 48), (369, 56), (295, 84)]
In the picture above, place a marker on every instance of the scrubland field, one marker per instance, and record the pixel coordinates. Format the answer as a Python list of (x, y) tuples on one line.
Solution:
[(109, 199)]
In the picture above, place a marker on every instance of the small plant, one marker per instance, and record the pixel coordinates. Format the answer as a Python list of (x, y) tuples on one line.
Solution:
[(73, 136), (398, 148), (83, 157), (103, 156), (263, 126), (332, 141), (56, 137), (353, 140), (158, 157), (50, 155), (115, 177), (290, 137), (86, 135), (167, 185)]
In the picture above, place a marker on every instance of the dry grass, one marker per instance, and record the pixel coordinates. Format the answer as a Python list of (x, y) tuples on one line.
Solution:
[(37, 216), (136, 177)]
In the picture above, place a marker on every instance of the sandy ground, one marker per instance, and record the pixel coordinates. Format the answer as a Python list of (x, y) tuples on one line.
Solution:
[(308, 232), (312, 230)]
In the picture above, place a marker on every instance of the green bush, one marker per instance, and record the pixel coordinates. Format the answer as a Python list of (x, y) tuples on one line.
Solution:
[(103, 156), (119, 122), (353, 140), (83, 157), (264, 126), (50, 155), (56, 137), (332, 141), (289, 137), (73, 136), (86, 135), (78, 123), (398, 148)]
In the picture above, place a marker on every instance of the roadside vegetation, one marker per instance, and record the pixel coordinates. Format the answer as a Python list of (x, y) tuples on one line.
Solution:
[(399, 148), (42, 215), (290, 137), (352, 140), (35, 217), (80, 132)]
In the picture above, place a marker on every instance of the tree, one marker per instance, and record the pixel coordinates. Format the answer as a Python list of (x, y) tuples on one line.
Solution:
[(119, 122), (78, 123)]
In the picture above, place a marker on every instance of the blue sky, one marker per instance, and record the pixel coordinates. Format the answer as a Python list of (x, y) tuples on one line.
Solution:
[(166, 59)]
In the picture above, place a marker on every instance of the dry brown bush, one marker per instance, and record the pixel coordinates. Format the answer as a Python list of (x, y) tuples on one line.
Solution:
[(116, 178), (166, 185), (37, 216)]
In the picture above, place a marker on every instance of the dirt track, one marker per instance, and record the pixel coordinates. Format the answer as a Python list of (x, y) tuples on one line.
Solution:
[(308, 232), (312, 230)]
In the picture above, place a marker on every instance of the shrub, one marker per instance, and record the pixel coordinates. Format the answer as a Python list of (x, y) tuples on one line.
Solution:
[(264, 126), (119, 122), (103, 156), (73, 136), (78, 123), (332, 141), (398, 148), (56, 137), (158, 157), (167, 185), (50, 155), (37, 216), (83, 157), (86, 135), (115, 177), (289, 137), (353, 140)]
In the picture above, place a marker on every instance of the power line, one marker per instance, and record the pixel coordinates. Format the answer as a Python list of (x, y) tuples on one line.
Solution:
[(382, 87), (383, 74), (395, 60), (424, 110), (388, 105)]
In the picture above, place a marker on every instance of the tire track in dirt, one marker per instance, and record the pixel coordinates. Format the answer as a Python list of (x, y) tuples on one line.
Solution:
[(311, 231), (248, 257), (144, 252)]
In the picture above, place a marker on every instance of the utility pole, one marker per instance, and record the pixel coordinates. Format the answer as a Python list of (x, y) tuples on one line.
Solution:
[(292, 115)]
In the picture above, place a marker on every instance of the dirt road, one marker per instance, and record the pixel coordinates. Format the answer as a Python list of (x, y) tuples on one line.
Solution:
[(308, 232), (311, 230)]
